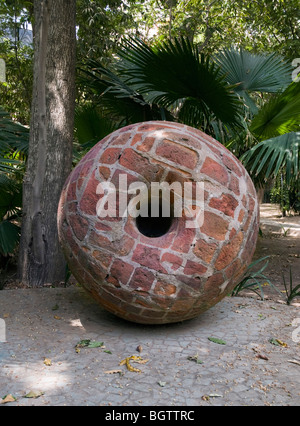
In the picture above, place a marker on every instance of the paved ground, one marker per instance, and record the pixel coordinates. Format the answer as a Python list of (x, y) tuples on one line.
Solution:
[(247, 370)]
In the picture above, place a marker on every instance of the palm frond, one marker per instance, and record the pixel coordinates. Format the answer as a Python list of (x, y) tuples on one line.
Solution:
[(175, 71), (118, 100), (91, 126), (279, 154), (280, 115), (254, 72)]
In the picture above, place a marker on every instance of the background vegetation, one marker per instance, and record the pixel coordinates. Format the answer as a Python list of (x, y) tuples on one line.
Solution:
[(222, 66)]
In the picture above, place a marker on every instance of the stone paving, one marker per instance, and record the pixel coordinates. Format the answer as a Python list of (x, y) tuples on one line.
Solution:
[(44, 326)]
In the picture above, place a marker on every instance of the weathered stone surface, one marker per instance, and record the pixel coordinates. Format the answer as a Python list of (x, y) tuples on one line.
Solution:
[(183, 272)]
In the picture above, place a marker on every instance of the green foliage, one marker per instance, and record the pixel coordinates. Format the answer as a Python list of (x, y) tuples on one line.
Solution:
[(291, 291), (14, 139), (15, 94), (280, 115), (288, 198), (254, 72), (253, 280), (278, 123), (169, 80)]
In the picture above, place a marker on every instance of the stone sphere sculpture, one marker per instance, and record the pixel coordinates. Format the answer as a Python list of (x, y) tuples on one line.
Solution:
[(140, 260)]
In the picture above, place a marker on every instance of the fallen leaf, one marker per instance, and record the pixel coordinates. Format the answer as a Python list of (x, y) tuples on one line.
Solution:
[(215, 395), (294, 361), (57, 317), (6, 316), (278, 342), (8, 398), (195, 359), (95, 345), (162, 384), (108, 352), (218, 341), (48, 362), (127, 360), (142, 361), (205, 398), (89, 344), (264, 357), (55, 308), (34, 395), (114, 372)]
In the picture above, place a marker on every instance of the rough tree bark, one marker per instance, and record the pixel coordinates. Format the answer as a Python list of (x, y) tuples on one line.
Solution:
[(51, 138)]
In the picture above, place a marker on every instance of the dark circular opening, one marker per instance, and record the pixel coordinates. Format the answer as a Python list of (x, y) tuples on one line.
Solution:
[(155, 227)]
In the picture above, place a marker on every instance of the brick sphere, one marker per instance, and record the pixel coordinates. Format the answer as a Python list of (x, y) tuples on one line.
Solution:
[(183, 272)]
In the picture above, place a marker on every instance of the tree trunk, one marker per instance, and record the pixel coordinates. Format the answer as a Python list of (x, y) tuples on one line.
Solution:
[(51, 139)]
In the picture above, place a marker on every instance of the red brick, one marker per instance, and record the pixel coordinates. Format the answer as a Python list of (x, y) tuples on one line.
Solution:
[(68, 236), (227, 204), (136, 139), (120, 247), (101, 226), (149, 257), (184, 240), (164, 289), (174, 260), (212, 286), (79, 225), (162, 242), (90, 198), (234, 269), (178, 154), (110, 155), (232, 165), (142, 279), (121, 139), (229, 252), (104, 258), (195, 283), (192, 268), (234, 185), (215, 170), (121, 271), (71, 192), (204, 250), (214, 226), (241, 216), (139, 164), (146, 145), (104, 172)]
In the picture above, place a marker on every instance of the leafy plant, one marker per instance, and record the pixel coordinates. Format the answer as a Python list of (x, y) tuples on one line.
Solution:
[(291, 291), (254, 280), (277, 126), (14, 139), (167, 81)]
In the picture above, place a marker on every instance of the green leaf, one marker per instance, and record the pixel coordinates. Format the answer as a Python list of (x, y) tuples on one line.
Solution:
[(34, 395), (173, 73), (280, 115), (9, 237), (95, 345), (276, 155), (254, 72), (216, 340)]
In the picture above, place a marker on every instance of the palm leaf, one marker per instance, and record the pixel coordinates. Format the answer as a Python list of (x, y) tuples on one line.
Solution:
[(279, 154), (254, 72), (14, 138), (280, 115), (9, 237), (117, 99), (174, 72), (91, 126)]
